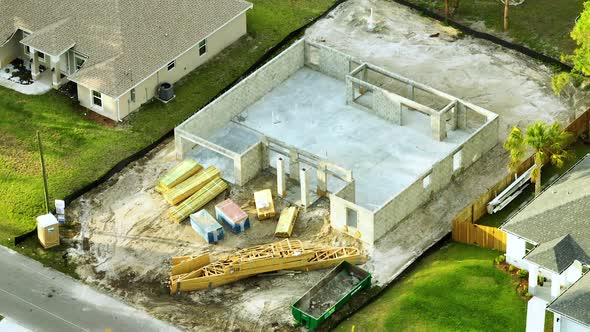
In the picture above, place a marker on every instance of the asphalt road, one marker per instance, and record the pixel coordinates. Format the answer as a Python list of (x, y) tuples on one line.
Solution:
[(42, 299)]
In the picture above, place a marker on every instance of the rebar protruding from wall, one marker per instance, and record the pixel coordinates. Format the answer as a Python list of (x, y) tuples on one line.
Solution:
[(304, 184), (281, 178)]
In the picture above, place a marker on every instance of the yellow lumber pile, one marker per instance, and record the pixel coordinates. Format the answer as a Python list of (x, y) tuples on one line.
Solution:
[(191, 185), (198, 200), (265, 206), (286, 222), (283, 255), (177, 174)]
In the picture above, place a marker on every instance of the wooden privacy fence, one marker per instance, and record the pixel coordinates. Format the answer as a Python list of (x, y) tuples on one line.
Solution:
[(479, 235), (478, 208), (464, 222)]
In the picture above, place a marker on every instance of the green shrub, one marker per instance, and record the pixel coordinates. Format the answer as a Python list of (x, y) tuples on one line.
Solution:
[(500, 259), (511, 268), (524, 291), (522, 273), (541, 280), (528, 294)]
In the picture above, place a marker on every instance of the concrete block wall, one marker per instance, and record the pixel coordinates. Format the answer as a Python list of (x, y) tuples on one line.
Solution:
[(441, 174), (400, 206), (480, 142), (223, 109), (249, 164), (387, 106), (348, 192), (331, 62), (365, 219)]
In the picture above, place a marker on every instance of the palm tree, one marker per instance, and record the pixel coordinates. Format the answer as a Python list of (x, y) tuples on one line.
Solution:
[(547, 142)]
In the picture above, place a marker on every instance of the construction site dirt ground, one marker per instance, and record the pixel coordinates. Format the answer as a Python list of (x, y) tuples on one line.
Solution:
[(131, 240)]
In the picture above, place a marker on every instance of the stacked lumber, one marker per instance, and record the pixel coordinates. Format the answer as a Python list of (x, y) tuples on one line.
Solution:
[(265, 206), (177, 174), (286, 222), (198, 200), (194, 273), (230, 213), (207, 227), (191, 185)]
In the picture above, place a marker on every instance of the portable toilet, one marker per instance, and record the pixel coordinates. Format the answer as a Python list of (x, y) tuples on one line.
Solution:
[(48, 230), (206, 226)]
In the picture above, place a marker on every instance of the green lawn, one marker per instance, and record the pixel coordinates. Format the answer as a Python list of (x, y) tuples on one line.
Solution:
[(543, 25), (78, 150), (456, 288)]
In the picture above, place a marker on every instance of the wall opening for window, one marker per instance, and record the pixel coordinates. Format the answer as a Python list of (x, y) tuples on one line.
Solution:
[(27, 50), (203, 47), (313, 55), (132, 94), (426, 182), (171, 65), (457, 157), (41, 55), (97, 99), (351, 218)]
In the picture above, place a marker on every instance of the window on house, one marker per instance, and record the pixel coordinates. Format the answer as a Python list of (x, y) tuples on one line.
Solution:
[(79, 61), (132, 95), (41, 55), (203, 47), (27, 50), (171, 65), (96, 98)]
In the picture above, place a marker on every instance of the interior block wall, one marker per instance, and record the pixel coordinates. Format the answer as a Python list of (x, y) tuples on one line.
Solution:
[(233, 102), (249, 164)]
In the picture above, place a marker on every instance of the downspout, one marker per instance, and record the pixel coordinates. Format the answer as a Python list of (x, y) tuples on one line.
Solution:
[(118, 110)]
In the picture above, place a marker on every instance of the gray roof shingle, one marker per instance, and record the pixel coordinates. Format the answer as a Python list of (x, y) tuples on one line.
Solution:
[(558, 221), (575, 301), (126, 41)]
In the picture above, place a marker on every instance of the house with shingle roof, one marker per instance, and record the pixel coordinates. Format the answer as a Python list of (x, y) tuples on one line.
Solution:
[(117, 52), (550, 237)]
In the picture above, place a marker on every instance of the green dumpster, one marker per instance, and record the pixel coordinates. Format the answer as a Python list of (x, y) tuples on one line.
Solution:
[(330, 294)]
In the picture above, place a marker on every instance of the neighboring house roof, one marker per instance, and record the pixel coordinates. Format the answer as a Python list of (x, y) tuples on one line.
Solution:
[(574, 303), (125, 41), (558, 221)]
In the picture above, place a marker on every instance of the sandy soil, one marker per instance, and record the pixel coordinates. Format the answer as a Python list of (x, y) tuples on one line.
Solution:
[(510, 84), (131, 242), (131, 239)]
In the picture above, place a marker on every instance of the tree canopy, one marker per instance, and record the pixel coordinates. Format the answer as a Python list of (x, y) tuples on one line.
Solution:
[(581, 55)]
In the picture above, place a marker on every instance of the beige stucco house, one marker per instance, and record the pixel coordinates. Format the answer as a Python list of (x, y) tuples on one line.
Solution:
[(118, 52)]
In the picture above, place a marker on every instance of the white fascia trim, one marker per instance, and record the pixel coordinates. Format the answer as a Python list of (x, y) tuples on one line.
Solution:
[(190, 48)]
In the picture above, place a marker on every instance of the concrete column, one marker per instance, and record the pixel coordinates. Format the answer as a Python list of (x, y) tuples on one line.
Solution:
[(461, 115), (293, 165), (555, 285), (454, 115), (35, 65), (439, 126), (304, 184), (281, 178), (322, 188), (56, 72), (265, 153), (411, 92), (533, 277), (349, 91)]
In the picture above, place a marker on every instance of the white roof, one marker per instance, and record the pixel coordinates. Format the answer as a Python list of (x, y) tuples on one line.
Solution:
[(46, 220)]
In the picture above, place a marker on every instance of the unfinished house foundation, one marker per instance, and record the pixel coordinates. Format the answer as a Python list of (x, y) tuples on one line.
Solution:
[(323, 111)]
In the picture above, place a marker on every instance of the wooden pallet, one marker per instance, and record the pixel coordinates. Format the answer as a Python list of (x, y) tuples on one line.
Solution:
[(282, 255)]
